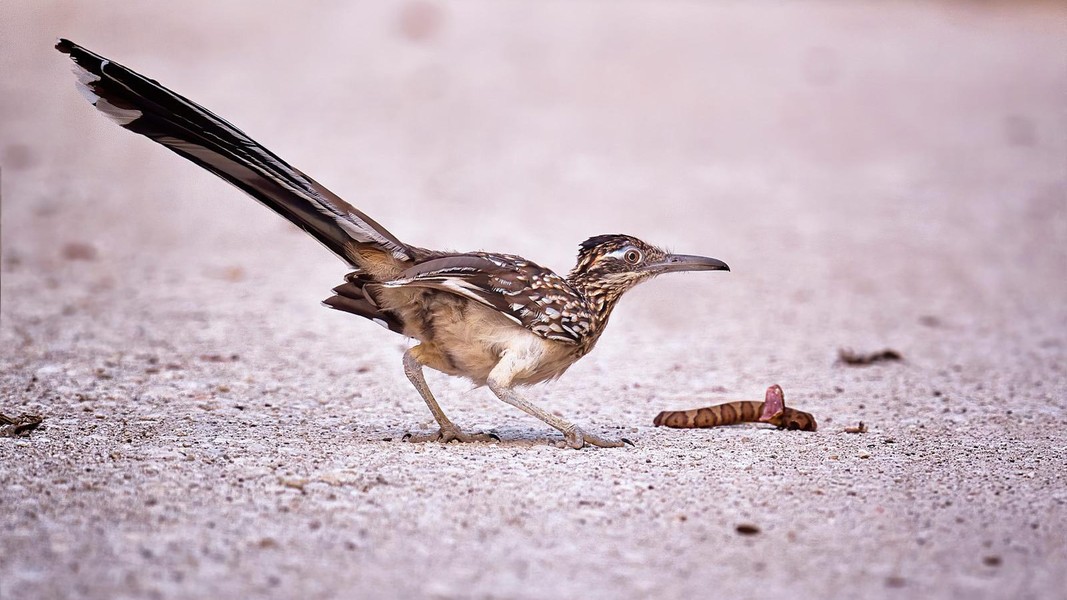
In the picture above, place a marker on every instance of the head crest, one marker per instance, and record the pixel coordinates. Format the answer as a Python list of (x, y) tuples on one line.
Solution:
[(601, 240)]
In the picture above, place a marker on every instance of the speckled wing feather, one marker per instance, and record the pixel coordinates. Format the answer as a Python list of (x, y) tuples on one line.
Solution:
[(526, 293)]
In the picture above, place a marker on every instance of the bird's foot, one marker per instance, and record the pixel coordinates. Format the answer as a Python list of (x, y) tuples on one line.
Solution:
[(450, 434), (576, 438)]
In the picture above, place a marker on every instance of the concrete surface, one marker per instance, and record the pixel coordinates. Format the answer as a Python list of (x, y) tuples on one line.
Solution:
[(883, 175)]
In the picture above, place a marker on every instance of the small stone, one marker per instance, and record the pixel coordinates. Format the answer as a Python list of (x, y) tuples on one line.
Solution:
[(79, 251), (747, 529), (267, 543)]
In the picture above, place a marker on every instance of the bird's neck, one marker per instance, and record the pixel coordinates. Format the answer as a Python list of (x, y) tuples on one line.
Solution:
[(600, 296)]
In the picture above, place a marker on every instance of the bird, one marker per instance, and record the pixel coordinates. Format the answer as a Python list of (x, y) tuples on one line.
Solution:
[(498, 320)]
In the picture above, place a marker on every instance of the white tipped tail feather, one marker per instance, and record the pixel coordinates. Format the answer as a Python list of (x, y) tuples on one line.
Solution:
[(143, 106)]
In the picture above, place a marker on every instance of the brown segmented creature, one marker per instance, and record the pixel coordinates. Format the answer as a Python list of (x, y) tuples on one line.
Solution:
[(772, 410)]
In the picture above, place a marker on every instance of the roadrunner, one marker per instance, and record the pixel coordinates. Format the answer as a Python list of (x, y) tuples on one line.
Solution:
[(496, 319)]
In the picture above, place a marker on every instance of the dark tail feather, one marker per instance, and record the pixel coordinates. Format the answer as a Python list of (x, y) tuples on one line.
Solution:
[(144, 106), (349, 297)]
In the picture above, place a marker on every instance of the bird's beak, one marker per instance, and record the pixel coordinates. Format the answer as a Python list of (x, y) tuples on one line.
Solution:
[(686, 262)]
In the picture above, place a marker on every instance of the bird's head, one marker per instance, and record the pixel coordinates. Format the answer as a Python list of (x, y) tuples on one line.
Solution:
[(608, 265)]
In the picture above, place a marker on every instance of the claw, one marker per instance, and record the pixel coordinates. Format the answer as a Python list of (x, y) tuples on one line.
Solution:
[(445, 435), (576, 438)]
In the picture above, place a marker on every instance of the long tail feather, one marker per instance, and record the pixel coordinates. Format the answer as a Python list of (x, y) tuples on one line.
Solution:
[(144, 106)]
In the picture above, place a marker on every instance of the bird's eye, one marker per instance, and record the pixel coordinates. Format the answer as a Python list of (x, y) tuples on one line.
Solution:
[(632, 256)]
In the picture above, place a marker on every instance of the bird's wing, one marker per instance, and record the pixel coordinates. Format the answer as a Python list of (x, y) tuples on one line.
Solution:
[(528, 294)]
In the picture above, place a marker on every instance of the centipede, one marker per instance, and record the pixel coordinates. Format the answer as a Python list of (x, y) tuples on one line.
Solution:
[(772, 411)]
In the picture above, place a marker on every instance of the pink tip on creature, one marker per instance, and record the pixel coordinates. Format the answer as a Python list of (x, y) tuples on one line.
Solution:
[(773, 403)]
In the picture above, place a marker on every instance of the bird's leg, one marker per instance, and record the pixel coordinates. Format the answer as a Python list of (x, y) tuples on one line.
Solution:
[(499, 382), (448, 431)]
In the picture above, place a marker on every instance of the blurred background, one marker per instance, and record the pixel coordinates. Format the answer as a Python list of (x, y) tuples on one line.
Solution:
[(867, 169)]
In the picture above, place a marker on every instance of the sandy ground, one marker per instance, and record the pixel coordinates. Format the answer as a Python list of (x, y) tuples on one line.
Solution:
[(890, 176)]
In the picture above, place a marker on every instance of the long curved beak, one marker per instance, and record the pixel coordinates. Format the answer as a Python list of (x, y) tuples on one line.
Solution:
[(687, 262)]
